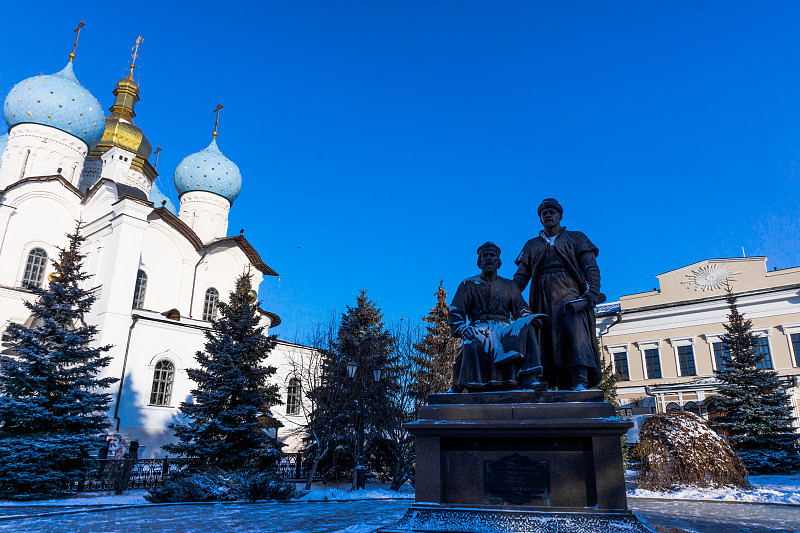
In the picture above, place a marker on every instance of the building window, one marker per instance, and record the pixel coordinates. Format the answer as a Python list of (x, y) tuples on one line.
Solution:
[(686, 359), (293, 397), (722, 356), (621, 365), (34, 268), (796, 347), (762, 352), (141, 288), (692, 407), (163, 377), (210, 304), (672, 405), (653, 363)]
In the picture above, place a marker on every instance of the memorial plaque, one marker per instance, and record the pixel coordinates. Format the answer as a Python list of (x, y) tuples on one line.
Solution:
[(516, 479)]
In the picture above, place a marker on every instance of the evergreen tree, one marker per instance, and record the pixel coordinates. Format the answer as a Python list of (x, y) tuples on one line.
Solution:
[(346, 405), (52, 404), (754, 410), (437, 351), (231, 394), (608, 383)]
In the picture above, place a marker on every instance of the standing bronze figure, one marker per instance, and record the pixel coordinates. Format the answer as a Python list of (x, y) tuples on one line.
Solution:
[(565, 285), (498, 331)]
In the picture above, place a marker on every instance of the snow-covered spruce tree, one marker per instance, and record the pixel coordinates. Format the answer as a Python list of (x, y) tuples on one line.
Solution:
[(437, 351), (232, 392), (52, 403), (754, 409)]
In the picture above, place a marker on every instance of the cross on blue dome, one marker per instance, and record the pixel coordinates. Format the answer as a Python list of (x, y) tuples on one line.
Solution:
[(56, 100), (210, 171)]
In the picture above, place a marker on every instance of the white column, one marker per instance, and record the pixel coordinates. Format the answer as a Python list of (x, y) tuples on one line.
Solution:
[(116, 278)]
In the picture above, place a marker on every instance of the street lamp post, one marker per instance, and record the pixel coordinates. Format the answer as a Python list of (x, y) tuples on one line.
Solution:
[(360, 474)]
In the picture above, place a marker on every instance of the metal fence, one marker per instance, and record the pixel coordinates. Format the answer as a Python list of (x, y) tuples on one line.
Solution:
[(149, 473), (291, 465), (140, 474)]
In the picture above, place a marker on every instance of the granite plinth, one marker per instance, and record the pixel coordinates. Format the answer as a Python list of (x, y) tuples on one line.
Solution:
[(516, 458), (429, 519), (516, 396)]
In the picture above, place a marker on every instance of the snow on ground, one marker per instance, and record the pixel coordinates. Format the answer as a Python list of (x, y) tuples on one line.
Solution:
[(318, 492), (340, 494), (131, 497), (766, 489)]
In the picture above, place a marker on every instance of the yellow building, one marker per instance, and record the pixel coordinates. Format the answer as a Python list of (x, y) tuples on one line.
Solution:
[(666, 342)]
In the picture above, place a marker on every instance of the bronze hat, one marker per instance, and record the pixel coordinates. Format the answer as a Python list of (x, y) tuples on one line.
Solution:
[(488, 246), (552, 203)]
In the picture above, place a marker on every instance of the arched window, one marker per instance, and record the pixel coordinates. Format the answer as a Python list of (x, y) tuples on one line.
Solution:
[(672, 405), (293, 397), (141, 288), (692, 407), (34, 268), (210, 304), (163, 377)]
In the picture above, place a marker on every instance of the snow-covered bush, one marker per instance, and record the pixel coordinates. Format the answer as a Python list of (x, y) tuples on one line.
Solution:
[(679, 449), (255, 485), (209, 483)]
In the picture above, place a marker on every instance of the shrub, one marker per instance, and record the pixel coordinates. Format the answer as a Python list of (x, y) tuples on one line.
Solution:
[(210, 483), (678, 449)]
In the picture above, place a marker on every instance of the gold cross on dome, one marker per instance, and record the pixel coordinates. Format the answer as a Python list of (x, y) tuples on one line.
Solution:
[(156, 162), (75, 45), (216, 121), (139, 40)]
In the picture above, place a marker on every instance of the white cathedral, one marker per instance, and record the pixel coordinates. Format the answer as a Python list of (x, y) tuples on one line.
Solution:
[(158, 273)]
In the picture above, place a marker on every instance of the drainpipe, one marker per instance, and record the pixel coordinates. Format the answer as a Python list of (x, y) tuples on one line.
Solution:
[(616, 321), (122, 376), (3, 241), (194, 280)]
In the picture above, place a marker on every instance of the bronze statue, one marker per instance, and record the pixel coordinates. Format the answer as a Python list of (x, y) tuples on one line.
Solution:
[(565, 285), (496, 353)]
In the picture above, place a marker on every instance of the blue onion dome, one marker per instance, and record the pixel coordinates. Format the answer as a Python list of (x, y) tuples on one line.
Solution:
[(158, 198), (56, 100), (210, 171)]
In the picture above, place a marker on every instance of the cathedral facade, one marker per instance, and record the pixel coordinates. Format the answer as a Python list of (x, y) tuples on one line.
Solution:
[(158, 270)]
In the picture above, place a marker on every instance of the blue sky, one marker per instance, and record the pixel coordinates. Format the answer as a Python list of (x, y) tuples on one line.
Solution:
[(381, 142)]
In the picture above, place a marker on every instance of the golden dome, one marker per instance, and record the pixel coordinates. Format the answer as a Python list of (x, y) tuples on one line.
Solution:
[(120, 130)]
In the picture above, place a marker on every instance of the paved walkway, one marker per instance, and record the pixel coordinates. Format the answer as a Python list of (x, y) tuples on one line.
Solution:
[(357, 517), (718, 517)]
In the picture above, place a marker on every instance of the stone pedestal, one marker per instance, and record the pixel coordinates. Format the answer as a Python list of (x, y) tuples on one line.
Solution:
[(519, 461)]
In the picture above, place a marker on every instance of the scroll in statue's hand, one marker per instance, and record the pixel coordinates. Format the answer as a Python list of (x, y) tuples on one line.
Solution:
[(468, 333)]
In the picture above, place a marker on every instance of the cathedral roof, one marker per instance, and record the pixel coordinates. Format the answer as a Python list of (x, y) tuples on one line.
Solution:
[(210, 171), (56, 100), (158, 198), (239, 240)]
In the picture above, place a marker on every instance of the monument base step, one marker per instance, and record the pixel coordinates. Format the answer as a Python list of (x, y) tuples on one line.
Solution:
[(421, 518)]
